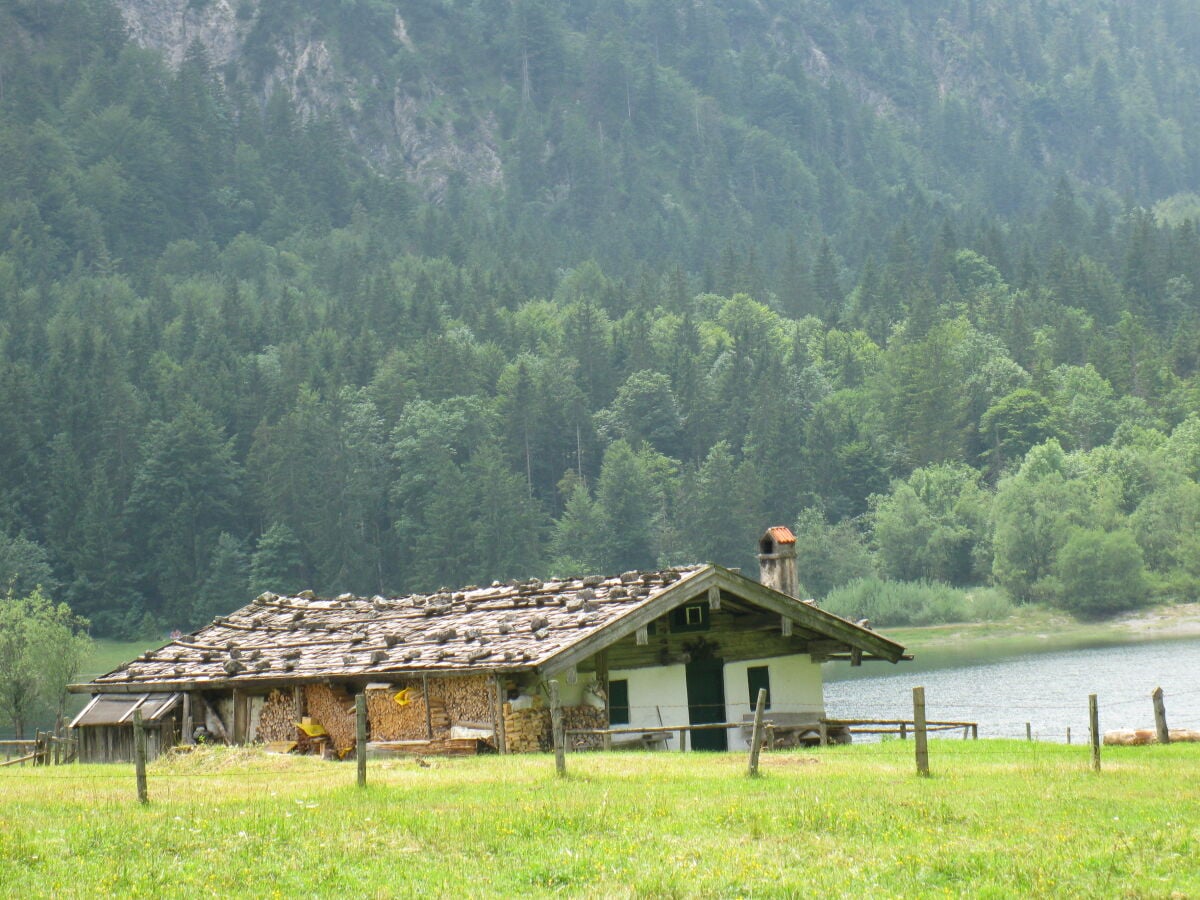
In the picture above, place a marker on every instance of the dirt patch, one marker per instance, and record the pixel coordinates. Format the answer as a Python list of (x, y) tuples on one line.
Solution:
[(787, 761), (1163, 621)]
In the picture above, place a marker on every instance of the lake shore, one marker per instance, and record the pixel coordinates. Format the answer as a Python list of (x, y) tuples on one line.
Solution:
[(1038, 629)]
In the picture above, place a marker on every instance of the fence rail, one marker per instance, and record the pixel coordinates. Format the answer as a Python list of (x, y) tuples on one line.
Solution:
[(45, 749)]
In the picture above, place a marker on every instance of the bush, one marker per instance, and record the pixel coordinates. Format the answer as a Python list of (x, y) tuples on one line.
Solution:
[(1098, 573), (892, 603)]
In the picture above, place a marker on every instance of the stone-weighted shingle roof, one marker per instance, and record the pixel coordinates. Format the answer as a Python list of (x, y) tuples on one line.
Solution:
[(501, 627)]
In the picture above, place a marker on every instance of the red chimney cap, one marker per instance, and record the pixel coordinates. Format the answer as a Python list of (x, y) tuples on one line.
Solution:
[(781, 534)]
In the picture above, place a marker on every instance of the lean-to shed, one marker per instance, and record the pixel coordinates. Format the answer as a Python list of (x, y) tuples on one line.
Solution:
[(678, 647)]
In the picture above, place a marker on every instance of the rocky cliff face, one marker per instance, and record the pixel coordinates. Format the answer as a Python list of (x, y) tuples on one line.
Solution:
[(397, 136)]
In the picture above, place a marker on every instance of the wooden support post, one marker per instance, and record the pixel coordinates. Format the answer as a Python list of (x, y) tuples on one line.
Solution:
[(683, 740), (186, 725), (770, 737), (1068, 734), (428, 717), (824, 733), (855, 656), (556, 729), (360, 739), (241, 716), (1160, 717), (974, 731), (921, 738), (602, 681), (756, 735), (904, 731), (139, 756), (1094, 730), (501, 699), (1029, 731)]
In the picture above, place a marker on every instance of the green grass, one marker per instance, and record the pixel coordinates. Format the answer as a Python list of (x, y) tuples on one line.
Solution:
[(107, 654), (997, 819)]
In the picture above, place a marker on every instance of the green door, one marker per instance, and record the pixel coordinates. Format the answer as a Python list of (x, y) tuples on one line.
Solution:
[(706, 702)]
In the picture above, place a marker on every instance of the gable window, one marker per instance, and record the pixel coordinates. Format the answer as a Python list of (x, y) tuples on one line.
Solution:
[(618, 702), (758, 678), (692, 617)]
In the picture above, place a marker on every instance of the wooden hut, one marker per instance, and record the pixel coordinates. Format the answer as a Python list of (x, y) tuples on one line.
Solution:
[(105, 726), (675, 648)]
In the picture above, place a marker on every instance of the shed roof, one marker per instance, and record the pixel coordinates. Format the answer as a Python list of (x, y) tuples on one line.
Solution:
[(521, 625), (118, 709)]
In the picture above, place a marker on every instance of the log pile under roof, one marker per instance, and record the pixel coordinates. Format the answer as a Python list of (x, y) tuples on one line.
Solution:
[(503, 627)]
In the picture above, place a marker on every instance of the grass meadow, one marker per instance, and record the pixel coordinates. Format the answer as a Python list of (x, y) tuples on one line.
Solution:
[(996, 819)]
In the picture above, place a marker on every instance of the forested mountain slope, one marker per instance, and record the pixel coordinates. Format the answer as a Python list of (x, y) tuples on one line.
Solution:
[(379, 297)]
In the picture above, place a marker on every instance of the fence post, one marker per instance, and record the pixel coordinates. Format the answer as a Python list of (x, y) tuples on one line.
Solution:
[(1068, 734), (1094, 729), (756, 735), (139, 756), (556, 729), (904, 731), (360, 738), (1028, 731), (1160, 717), (920, 738)]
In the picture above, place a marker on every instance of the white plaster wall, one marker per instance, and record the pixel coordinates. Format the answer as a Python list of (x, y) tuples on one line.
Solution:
[(796, 686), (664, 687)]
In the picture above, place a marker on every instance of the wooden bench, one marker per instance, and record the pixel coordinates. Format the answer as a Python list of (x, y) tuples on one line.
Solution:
[(796, 730), (651, 740)]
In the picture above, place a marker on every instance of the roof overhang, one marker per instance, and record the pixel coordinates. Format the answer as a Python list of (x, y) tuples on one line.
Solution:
[(840, 634)]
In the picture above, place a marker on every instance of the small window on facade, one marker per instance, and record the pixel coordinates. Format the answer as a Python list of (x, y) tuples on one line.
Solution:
[(618, 702), (690, 618), (758, 678)]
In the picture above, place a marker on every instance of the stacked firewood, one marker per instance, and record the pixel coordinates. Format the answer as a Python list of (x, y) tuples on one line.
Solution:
[(439, 719), (397, 721), (583, 718), (277, 722), (526, 730), (334, 709), (466, 699)]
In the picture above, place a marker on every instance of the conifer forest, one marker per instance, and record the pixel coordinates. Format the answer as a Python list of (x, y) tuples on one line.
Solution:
[(474, 290)]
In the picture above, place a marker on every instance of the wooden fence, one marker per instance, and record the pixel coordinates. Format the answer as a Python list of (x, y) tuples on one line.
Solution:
[(45, 749)]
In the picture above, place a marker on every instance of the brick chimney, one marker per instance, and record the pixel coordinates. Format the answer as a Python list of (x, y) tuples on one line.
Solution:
[(777, 561)]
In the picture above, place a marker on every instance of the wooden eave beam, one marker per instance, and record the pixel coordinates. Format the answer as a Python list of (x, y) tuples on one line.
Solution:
[(251, 683)]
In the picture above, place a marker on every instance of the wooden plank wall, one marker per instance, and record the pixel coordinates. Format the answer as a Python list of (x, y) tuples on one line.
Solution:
[(114, 743), (733, 636)]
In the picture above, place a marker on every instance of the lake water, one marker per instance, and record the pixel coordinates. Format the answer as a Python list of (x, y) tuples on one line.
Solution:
[(1048, 690)]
